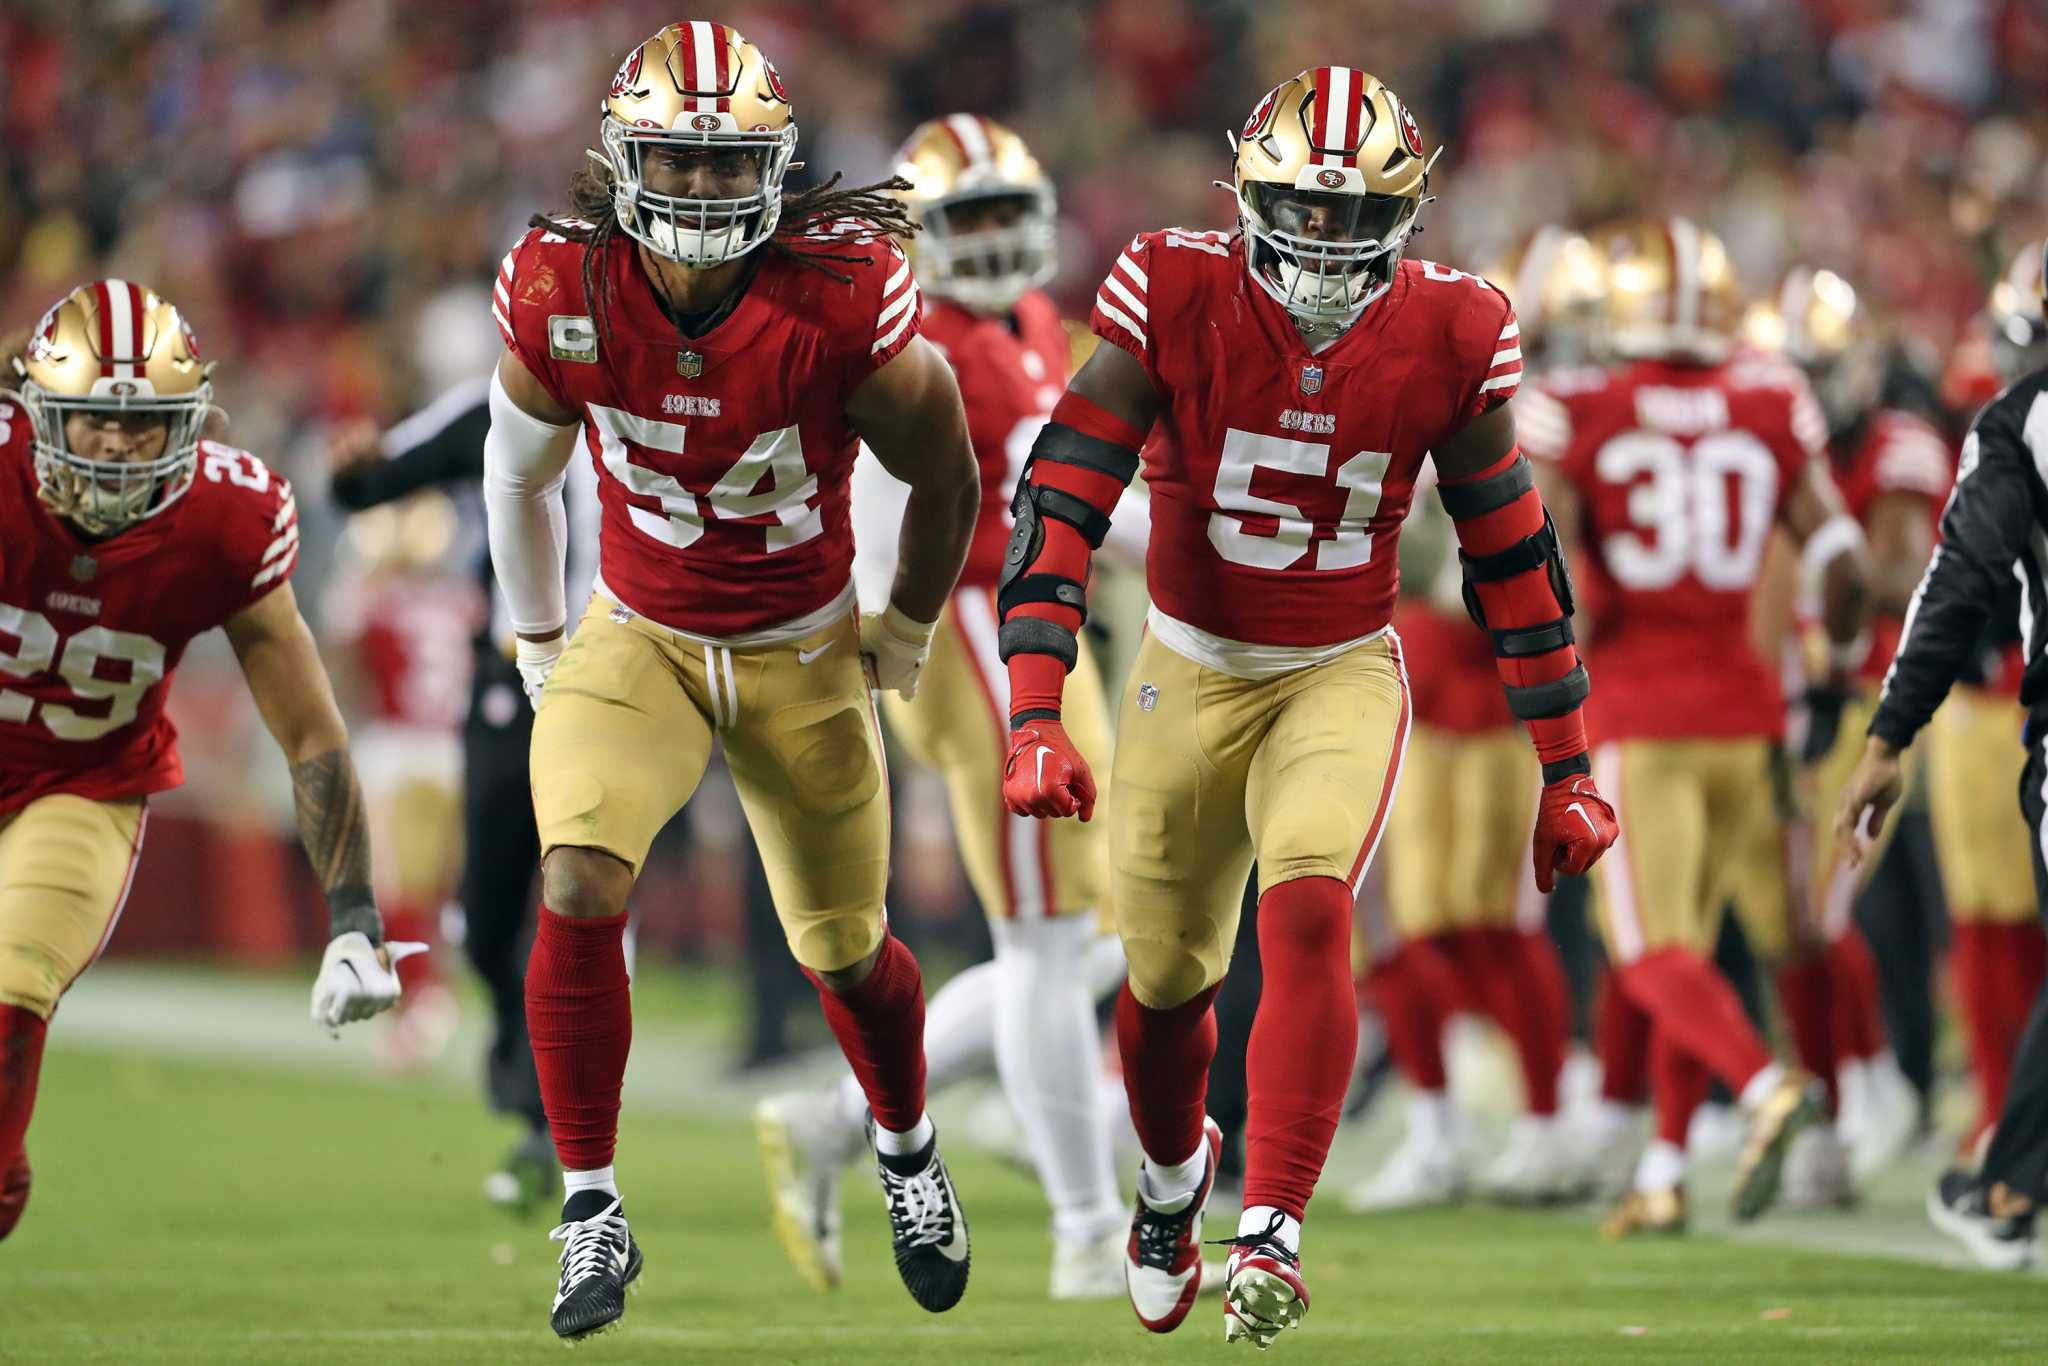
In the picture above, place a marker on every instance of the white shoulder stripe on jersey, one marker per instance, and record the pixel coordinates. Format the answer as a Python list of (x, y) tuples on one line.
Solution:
[(1123, 292), (1130, 268), (1512, 330), (1506, 381), (903, 301), (1120, 318), (1503, 357), (503, 321), (288, 512), (895, 281), (909, 305)]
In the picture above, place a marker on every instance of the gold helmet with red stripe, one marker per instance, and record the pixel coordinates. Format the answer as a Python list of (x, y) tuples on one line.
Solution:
[(114, 354), (1554, 279), (698, 91), (2018, 312), (986, 210), (1820, 323), (1330, 175), (1671, 290)]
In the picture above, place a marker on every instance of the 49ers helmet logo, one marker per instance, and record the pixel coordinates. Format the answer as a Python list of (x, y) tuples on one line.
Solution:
[(705, 123), (1411, 136), (627, 77), (1330, 179), (774, 80), (1259, 114)]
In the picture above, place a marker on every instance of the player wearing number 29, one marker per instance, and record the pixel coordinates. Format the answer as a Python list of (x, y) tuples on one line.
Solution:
[(1671, 468), (718, 350), (1284, 385), (123, 535)]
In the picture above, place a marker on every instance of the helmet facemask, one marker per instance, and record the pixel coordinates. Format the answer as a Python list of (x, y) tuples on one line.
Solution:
[(695, 232), (103, 496), (986, 248)]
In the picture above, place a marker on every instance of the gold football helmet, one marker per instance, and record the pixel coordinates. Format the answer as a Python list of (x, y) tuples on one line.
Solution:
[(1816, 319), (1671, 290), (2018, 311), (113, 352), (1554, 279), (1330, 175), (698, 88), (986, 210)]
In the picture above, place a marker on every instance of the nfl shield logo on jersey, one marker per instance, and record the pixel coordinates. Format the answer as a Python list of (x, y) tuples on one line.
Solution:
[(689, 364), (83, 568), (1311, 379), (1148, 697)]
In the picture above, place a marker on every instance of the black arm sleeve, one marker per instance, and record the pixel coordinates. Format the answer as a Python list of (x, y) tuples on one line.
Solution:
[(1983, 529), (452, 453)]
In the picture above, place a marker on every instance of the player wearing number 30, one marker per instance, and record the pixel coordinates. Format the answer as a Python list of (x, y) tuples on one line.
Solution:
[(718, 350), (1285, 384), (124, 534)]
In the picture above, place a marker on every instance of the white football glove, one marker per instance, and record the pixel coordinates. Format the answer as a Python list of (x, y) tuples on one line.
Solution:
[(357, 980), (536, 660), (893, 648)]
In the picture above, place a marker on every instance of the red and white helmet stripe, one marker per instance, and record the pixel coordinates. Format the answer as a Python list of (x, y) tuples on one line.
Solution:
[(1684, 240), (970, 131), (121, 327), (707, 66), (1337, 119)]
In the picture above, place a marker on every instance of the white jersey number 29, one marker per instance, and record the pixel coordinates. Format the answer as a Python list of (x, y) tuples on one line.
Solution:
[(77, 667), (1708, 511), (1245, 453)]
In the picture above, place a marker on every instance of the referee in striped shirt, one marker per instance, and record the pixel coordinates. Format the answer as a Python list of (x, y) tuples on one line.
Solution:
[(1994, 529)]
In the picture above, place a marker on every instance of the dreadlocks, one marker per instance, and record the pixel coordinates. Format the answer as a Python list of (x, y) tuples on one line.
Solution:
[(816, 225)]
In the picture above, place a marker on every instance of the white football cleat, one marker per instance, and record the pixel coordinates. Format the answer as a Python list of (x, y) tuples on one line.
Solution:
[(1885, 1118), (1540, 1165), (1263, 1293), (1421, 1172), (1817, 1171), (805, 1144), (1163, 1256)]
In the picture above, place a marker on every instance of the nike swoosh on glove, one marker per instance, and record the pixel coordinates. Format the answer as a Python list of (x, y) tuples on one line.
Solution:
[(1045, 775), (357, 980), (1575, 825), (894, 646), (535, 660)]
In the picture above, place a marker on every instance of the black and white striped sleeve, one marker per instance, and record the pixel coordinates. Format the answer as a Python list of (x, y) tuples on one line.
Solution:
[(1991, 526)]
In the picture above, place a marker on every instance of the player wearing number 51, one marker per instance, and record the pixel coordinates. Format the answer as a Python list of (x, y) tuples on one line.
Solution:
[(124, 534), (1286, 383), (718, 350)]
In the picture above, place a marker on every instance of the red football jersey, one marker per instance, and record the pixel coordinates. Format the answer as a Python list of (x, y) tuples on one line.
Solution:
[(1893, 453), (411, 635), (91, 631), (1451, 668), (723, 459), (1011, 371), (1681, 471), (1280, 475)]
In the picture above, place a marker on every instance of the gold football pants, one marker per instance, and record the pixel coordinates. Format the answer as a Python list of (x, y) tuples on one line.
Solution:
[(1458, 839), (1213, 771), (66, 864), (624, 731), (959, 724), (1974, 763)]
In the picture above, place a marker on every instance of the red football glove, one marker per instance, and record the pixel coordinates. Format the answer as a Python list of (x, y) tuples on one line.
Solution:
[(1045, 775), (1575, 825)]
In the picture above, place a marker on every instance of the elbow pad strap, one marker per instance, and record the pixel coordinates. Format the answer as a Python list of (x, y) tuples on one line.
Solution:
[(1559, 697), (1490, 494), (1519, 642), (1042, 587), (1036, 636), (1077, 512), (1062, 445)]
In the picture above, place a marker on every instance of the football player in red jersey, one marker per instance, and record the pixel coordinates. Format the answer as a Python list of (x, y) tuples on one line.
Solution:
[(1285, 385), (1671, 468), (720, 351), (1893, 469), (985, 247), (124, 534)]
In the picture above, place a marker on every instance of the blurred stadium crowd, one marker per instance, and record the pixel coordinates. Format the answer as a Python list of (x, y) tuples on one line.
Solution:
[(326, 187)]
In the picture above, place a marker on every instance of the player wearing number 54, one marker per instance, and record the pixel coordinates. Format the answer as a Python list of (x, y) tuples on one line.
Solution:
[(124, 534)]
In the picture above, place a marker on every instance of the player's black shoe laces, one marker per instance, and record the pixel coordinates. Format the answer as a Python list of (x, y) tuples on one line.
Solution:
[(1161, 1235), (920, 1211), (1266, 1240)]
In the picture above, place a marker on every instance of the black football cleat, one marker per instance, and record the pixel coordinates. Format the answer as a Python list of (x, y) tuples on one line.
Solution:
[(927, 1226), (13, 1192), (1960, 1206), (600, 1262)]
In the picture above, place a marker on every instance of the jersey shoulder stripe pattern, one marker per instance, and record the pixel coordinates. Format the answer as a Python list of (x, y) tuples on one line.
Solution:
[(900, 300)]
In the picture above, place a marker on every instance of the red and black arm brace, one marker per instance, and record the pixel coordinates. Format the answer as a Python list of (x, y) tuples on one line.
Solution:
[(1078, 468), (1519, 591)]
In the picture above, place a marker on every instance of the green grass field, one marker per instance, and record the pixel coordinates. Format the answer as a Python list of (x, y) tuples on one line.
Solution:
[(286, 1205)]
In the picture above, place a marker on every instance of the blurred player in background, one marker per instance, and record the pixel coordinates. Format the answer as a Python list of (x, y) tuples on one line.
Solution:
[(1670, 468), (1292, 378), (124, 534), (1892, 469), (721, 350), (984, 251), (1467, 921)]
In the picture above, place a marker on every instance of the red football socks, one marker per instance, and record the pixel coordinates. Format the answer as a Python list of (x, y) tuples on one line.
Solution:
[(21, 1062), (1415, 991), (1997, 971), (579, 1016), (1694, 1004), (1517, 980), (1621, 1036), (1859, 1010), (1806, 995), (1166, 1056), (1304, 1041), (880, 1028), (1680, 1088)]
